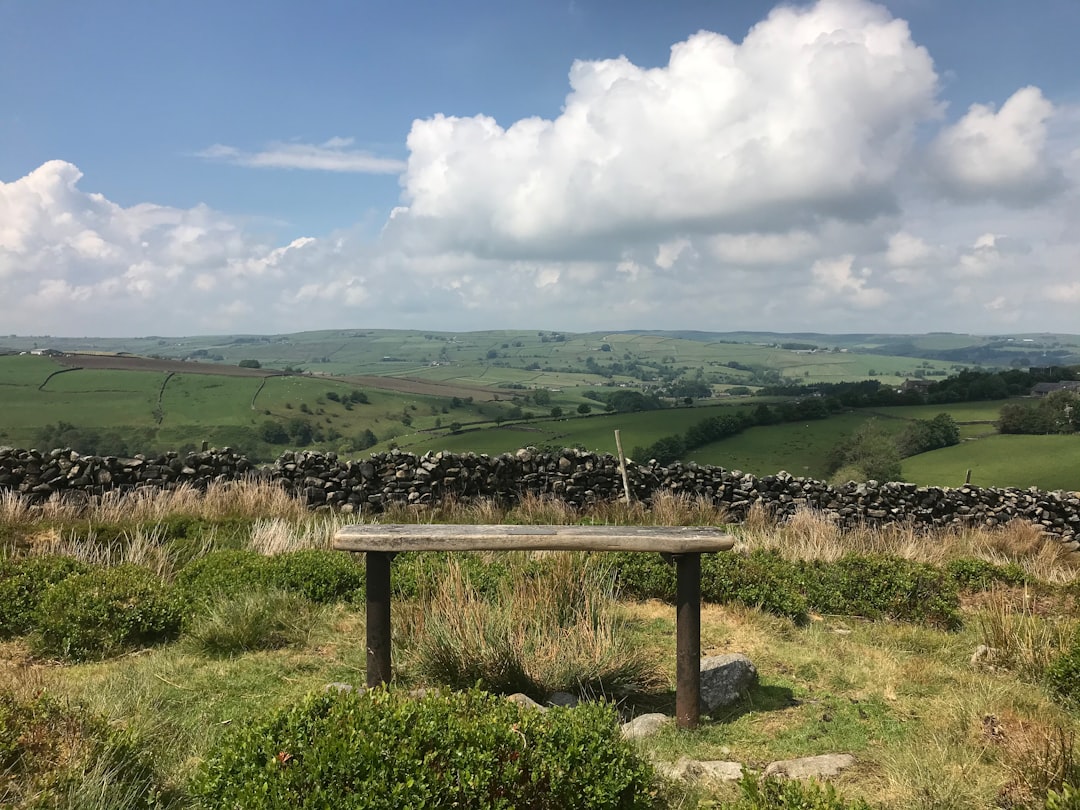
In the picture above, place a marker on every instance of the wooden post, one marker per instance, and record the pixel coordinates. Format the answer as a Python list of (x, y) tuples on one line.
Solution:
[(378, 617), (622, 468), (967, 478), (688, 640)]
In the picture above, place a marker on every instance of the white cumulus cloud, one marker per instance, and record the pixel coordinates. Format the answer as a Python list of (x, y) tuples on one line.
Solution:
[(809, 118), (998, 155)]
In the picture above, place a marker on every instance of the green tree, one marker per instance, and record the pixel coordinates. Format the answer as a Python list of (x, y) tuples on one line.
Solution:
[(584, 408), (869, 453), (249, 364)]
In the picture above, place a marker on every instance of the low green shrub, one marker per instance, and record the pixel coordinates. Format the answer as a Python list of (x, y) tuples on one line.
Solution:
[(54, 754), (263, 619), (381, 750), (874, 586), (762, 793), (228, 572), (973, 574), (878, 586), (1067, 799), (23, 584), (104, 612), (1063, 674), (761, 579), (320, 575)]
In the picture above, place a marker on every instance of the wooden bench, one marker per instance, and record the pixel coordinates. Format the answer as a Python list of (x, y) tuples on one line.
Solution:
[(380, 542)]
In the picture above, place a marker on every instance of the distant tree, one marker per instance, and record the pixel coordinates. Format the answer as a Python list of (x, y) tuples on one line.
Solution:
[(358, 397), (455, 427), (869, 453), (556, 412), (584, 408), (541, 397), (273, 432), (249, 364)]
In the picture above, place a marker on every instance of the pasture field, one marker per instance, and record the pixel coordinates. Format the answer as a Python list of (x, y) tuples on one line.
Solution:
[(800, 448), (1048, 462), (962, 412), (593, 432), (494, 357)]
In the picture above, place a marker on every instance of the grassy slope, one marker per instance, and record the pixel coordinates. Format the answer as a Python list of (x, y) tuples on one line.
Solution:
[(1049, 462)]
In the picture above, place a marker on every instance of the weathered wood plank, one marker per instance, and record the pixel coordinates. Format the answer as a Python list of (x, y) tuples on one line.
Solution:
[(454, 537)]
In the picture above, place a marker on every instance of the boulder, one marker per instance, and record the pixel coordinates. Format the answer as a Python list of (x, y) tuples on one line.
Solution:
[(724, 679)]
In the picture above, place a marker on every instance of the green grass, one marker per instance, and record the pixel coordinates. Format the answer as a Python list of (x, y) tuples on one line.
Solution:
[(1047, 462), (960, 411), (800, 448)]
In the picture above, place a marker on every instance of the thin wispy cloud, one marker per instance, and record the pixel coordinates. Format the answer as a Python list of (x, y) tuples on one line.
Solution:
[(333, 155)]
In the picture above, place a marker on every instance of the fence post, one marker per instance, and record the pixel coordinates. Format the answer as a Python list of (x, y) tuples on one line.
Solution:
[(688, 640), (378, 617)]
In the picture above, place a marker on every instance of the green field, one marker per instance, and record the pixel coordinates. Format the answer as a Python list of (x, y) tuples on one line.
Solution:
[(1048, 462), (800, 448), (594, 432)]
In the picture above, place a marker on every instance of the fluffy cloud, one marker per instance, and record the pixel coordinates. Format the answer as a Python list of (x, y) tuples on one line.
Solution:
[(998, 155), (809, 118), (333, 155)]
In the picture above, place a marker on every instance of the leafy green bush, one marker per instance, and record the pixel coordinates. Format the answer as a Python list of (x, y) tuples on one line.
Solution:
[(466, 749), (228, 571), (1068, 799), (874, 586), (264, 619), (103, 612), (23, 584), (1063, 674), (55, 754), (761, 793), (761, 579), (320, 575), (879, 586), (973, 574)]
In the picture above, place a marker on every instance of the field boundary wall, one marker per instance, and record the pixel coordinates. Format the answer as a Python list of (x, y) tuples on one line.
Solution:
[(368, 485)]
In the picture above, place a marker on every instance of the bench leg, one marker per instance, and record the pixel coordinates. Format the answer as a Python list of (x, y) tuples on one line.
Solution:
[(688, 640), (378, 617)]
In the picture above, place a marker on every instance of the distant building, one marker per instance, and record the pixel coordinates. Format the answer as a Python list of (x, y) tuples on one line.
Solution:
[(922, 386), (1042, 389)]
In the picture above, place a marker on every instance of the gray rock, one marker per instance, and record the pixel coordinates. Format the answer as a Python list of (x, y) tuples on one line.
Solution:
[(709, 770), (562, 699), (806, 767), (644, 725), (522, 699), (724, 678)]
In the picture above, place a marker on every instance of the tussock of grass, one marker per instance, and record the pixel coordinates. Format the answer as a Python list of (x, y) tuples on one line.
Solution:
[(264, 619), (561, 630)]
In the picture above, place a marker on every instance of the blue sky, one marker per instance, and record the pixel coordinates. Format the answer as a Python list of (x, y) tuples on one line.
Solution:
[(263, 167)]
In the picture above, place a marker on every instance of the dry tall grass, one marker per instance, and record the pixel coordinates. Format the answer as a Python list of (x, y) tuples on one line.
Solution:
[(284, 523), (563, 630)]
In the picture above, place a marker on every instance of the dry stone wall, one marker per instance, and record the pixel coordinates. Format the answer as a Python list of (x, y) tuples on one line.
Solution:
[(326, 481)]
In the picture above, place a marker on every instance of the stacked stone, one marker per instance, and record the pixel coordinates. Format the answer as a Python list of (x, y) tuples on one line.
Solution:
[(326, 481)]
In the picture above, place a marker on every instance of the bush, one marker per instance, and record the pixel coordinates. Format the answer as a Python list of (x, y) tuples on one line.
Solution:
[(268, 619), (24, 583), (104, 612), (320, 575), (226, 572), (1063, 675), (55, 754), (873, 586), (761, 579), (973, 574), (879, 586), (449, 750), (763, 793)]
